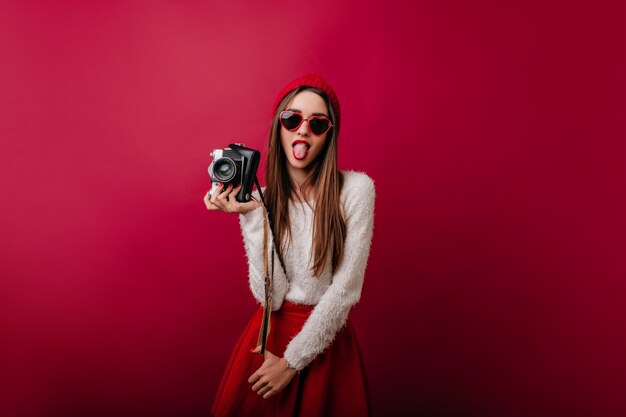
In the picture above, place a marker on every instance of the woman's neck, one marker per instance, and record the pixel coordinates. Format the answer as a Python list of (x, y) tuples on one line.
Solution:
[(298, 177)]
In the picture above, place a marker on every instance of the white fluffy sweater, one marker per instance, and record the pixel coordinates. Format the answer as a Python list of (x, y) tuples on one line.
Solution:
[(332, 294)]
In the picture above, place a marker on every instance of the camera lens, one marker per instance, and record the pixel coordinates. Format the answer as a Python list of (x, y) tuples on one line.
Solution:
[(224, 169)]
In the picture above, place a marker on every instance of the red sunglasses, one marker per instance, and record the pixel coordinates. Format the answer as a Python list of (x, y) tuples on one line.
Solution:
[(292, 121)]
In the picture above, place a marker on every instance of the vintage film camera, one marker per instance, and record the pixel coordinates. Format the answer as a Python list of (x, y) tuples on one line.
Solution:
[(235, 165)]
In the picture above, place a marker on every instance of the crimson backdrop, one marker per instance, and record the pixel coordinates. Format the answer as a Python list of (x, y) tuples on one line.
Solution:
[(495, 285)]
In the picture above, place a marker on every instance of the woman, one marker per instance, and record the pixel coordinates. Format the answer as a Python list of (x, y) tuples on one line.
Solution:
[(323, 219)]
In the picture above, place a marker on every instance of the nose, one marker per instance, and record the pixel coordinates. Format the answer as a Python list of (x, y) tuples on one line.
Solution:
[(303, 130)]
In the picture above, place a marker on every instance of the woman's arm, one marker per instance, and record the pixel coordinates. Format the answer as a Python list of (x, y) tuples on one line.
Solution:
[(251, 220), (331, 313), (252, 231)]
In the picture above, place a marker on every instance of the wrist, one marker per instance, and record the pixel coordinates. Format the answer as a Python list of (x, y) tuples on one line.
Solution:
[(250, 208), (288, 365)]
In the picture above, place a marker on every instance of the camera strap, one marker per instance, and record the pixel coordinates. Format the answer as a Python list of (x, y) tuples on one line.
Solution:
[(268, 272)]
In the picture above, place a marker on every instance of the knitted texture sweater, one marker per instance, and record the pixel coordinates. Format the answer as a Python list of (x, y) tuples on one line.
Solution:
[(332, 294)]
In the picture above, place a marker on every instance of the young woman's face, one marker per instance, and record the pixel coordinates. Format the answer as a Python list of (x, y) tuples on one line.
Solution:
[(301, 146)]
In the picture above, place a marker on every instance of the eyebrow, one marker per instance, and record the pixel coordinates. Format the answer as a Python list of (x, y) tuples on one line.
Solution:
[(312, 114)]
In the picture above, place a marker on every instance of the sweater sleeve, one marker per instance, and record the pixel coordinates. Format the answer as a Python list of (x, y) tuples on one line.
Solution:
[(331, 313), (252, 231)]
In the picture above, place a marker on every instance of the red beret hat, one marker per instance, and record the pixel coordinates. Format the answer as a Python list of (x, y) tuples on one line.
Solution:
[(311, 80)]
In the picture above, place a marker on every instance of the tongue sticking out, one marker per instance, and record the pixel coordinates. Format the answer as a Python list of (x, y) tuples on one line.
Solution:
[(300, 150)]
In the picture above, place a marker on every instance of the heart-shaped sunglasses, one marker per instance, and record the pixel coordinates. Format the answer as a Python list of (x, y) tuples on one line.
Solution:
[(292, 121)]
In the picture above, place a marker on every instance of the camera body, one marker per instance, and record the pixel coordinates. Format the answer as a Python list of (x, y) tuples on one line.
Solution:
[(235, 165)]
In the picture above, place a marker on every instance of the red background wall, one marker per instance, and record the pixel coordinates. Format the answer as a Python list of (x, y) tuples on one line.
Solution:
[(495, 135)]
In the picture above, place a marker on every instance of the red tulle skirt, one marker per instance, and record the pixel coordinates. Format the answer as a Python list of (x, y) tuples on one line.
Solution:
[(334, 384)]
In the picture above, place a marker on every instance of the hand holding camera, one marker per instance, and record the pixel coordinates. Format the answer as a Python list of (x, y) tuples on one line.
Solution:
[(224, 200), (233, 174)]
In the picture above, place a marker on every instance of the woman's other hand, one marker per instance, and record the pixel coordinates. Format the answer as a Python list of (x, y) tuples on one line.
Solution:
[(226, 201), (272, 376)]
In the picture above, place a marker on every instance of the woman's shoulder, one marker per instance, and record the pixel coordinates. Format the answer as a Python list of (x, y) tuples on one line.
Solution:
[(357, 183), (358, 192)]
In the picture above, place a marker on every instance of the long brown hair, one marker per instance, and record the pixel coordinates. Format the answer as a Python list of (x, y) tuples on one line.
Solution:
[(326, 182)]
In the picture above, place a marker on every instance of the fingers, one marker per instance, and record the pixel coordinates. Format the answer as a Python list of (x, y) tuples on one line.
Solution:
[(226, 193), (232, 194), (219, 198), (216, 194), (222, 200), (264, 389), (254, 378), (261, 384), (266, 392), (236, 190), (207, 202), (269, 394)]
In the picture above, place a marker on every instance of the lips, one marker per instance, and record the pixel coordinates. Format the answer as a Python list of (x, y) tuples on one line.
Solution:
[(300, 149)]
